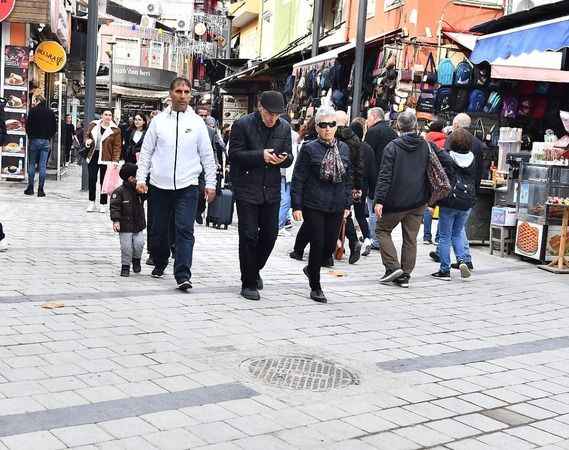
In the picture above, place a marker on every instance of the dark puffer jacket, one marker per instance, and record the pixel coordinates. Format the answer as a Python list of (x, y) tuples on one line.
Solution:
[(346, 135), (127, 208), (402, 183), (253, 180), (308, 190)]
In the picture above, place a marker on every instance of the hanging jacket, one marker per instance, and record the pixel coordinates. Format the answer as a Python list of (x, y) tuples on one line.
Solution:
[(175, 148)]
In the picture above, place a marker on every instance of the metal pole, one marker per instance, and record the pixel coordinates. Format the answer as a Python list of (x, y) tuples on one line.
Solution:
[(316, 25), (90, 75), (111, 77), (59, 125), (359, 59)]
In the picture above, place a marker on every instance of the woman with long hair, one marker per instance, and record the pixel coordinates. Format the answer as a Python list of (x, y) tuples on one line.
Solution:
[(104, 142), (135, 138)]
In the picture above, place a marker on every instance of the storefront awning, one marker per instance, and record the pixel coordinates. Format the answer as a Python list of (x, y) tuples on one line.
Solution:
[(550, 35)]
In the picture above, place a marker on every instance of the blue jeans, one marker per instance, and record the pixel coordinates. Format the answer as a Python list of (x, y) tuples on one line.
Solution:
[(182, 204), (372, 223), (452, 231), (37, 155), (284, 210), (427, 226)]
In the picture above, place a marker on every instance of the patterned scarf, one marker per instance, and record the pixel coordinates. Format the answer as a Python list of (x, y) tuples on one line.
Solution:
[(332, 168)]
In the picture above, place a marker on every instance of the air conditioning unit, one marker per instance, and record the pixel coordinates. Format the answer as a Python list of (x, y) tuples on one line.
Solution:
[(183, 25), (153, 8)]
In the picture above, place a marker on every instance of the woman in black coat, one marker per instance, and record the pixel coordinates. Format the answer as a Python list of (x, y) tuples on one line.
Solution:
[(321, 194), (135, 139)]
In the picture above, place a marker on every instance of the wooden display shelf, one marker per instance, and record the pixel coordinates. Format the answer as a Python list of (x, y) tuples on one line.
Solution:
[(560, 263)]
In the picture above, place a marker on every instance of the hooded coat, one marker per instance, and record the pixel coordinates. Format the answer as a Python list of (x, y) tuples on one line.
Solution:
[(402, 184), (460, 167)]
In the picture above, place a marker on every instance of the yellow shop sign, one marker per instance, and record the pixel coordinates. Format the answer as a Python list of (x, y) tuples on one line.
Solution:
[(50, 56)]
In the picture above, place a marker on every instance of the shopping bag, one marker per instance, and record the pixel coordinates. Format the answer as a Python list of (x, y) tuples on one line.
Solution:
[(438, 180), (112, 180)]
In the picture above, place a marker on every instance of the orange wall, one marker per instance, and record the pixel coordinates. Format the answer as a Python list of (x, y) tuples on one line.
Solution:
[(458, 17)]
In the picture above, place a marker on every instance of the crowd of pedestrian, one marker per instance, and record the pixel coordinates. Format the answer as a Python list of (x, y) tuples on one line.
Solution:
[(326, 172)]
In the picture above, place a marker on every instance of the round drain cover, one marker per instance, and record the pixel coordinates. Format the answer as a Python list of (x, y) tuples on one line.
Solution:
[(301, 373)]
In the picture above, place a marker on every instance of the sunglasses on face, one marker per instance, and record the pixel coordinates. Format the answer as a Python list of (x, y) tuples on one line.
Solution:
[(326, 124)]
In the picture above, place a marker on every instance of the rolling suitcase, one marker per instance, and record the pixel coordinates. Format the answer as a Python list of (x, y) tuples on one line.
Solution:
[(220, 211)]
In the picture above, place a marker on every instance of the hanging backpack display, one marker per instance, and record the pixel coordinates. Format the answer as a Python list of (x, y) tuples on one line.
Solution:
[(494, 103), (459, 99), (312, 84), (446, 72), (443, 101), (463, 74), (524, 107), (476, 101), (510, 107), (426, 101), (481, 75)]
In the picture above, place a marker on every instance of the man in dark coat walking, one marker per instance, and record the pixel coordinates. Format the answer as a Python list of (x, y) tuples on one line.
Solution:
[(400, 198), (378, 135), (259, 147)]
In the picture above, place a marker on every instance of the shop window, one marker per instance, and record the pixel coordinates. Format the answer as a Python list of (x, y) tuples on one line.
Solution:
[(127, 52), (332, 14), (156, 55), (391, 4)]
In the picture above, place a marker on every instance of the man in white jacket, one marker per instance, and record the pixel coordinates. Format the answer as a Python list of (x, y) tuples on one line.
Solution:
[(175, 149)]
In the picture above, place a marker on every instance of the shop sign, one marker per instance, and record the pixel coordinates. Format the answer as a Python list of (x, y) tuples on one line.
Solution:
[(6, 8), (50, 56), (142, 77)]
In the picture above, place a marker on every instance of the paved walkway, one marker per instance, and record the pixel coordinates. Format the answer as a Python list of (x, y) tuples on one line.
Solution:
[(134, 364)]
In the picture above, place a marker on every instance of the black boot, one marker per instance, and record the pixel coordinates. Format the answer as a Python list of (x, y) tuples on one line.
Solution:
[(125, 271), (41, 193), (318, 296), (136, 268), (328, 262), (355, 252), (29, 190)]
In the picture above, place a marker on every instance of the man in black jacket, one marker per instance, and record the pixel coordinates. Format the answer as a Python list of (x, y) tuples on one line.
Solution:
[(400, 197), (259, 147), (40, 127), (378, 135)]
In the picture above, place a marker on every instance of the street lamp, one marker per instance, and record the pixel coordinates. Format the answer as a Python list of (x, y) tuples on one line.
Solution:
[(110, 52)]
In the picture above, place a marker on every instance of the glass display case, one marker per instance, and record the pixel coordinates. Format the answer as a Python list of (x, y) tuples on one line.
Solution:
[(539, 222)]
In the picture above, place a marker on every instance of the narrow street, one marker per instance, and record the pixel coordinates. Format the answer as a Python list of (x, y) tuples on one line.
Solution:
[(132, 363)]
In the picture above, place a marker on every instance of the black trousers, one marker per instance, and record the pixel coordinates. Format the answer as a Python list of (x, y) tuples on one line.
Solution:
[(258, 229), (95, 169), (322, 229), (302, 239), (2, 235), (360, 210)]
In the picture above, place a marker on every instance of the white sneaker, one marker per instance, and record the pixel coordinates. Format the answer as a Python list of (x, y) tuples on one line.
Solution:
[(366, 247), (91, 207), (103, 209), (3, 245)]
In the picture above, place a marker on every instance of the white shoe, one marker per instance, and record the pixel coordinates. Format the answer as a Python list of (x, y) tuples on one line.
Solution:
[(284, 233), (3, 245), (91, 207), (103, 209), (366, 247)]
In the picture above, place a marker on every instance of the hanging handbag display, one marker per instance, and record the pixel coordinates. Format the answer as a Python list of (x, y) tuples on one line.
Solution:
[(406, 73), (430, 74)]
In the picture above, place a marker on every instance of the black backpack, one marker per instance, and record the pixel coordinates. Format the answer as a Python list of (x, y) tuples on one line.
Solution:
[(463, 191), (460, 98), (481, 75), (289, 87), (312, 84)]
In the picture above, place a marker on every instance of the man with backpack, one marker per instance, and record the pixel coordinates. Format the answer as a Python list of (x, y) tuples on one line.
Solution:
[(379, 134)]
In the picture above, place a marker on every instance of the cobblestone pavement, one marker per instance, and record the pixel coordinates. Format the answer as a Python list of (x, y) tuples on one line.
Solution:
[(134, 364)]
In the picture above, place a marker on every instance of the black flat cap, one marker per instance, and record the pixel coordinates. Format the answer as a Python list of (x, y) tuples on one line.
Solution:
[(273, 101)]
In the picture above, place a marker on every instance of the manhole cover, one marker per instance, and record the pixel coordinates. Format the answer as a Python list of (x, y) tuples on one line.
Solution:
[(301, 373)]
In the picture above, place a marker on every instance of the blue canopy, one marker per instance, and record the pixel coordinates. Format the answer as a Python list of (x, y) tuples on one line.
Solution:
[(552, 35)]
